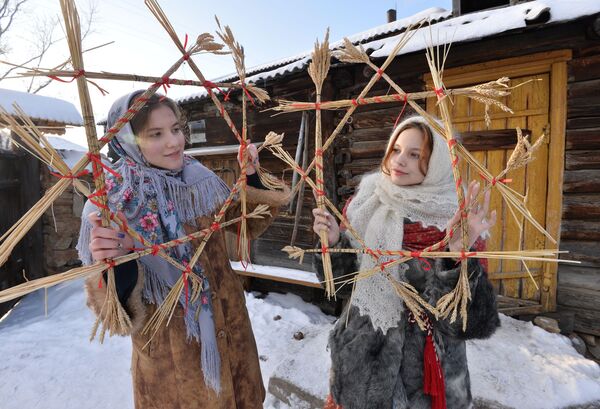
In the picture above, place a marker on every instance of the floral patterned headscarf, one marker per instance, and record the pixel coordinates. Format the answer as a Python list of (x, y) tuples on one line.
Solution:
[(157, 203)]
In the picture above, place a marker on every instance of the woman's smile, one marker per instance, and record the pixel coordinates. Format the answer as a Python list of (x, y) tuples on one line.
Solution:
[(174, 155)]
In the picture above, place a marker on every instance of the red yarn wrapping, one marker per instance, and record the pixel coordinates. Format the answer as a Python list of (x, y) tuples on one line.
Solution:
[(70, 175), (95, 158), (402, 111), (248, 95), (78, 73), (98, 193)]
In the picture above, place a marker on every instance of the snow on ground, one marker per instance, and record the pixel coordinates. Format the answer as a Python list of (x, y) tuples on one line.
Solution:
[(48, 362)]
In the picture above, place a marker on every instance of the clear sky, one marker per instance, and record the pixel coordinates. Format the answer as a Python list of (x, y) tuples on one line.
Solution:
[(268, 30)]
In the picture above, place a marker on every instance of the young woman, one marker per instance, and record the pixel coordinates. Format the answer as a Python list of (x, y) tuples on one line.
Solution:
[(206, 357), (377, 351)]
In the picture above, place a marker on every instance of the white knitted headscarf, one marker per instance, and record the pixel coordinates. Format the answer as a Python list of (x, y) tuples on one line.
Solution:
[(377, 212)]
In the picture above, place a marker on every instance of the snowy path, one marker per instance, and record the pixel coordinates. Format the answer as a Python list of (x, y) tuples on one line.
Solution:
[(48, 362)]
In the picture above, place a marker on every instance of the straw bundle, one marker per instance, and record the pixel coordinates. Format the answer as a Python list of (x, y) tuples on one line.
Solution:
[(295, 252), (31, 72), (405, 37), (478, 93), (166, 309), (44, 282), (14, 234), (317, 70), (266, 178), (23, 225), (450, 303), (112, 310), (237, 52), (488, 93)]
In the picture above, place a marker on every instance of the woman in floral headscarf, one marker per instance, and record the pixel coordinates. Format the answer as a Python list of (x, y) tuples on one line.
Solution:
[(206, 357)]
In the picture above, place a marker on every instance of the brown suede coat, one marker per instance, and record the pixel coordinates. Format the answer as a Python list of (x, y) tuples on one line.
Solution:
[(167, 373)]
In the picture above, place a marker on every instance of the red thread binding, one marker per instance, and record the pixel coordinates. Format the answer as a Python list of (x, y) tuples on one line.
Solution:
[(70, 175), (248, 94), (402, 111), (78, 73), (94, 157), (424, 263)]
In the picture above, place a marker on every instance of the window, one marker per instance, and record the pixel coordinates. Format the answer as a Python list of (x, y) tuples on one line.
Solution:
[(197, 131)]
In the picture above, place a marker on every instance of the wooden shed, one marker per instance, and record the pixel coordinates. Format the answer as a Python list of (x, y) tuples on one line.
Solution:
[(22, 180), (555, 44)]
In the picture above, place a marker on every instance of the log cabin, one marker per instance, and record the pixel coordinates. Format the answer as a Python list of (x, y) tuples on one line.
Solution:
[(22, 180), (551, 47)]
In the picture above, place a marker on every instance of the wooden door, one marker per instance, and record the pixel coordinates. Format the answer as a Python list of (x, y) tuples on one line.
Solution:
[(537, 109)]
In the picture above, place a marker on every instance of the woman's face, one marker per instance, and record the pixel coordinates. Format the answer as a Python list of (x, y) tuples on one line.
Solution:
[(404, 159), (162, 140)]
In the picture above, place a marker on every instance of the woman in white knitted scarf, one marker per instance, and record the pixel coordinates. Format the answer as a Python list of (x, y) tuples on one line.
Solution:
[(380, 357)]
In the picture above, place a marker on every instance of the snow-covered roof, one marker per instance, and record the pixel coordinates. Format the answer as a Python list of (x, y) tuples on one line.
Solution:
[(41, 107), (442, 29), (62, 144), (300, 61), (489, 22), (70, 152)]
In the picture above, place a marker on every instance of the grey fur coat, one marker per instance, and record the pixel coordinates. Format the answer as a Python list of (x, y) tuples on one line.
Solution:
[(373, 370)]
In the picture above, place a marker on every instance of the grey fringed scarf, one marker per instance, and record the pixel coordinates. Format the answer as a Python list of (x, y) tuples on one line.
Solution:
[(157, 203)]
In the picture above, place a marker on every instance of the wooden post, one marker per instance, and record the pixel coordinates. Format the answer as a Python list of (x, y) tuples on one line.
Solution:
[(556, 165)]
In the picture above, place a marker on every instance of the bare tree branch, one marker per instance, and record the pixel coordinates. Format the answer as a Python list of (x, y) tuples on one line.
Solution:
[(46, 38), (7, 16)]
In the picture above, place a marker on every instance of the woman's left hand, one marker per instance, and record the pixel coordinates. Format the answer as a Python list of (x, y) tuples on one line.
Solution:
[(252, 154), (477, 218)]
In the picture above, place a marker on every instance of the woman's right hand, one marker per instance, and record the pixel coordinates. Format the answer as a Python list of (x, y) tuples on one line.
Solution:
[(107, 242), (325, 221)]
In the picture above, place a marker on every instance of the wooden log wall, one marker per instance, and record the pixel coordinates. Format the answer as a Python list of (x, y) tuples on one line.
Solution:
[(361, 145), (267, 249), (579, 286)]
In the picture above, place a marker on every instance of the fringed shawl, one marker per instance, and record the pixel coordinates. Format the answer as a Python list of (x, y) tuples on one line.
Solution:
[(157, 203)]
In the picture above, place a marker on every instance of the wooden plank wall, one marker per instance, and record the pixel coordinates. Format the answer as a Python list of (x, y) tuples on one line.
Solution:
[(579, 286), (19, 191)]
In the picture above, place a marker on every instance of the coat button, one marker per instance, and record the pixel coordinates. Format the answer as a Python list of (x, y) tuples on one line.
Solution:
[(221, 334), (213, 295)]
